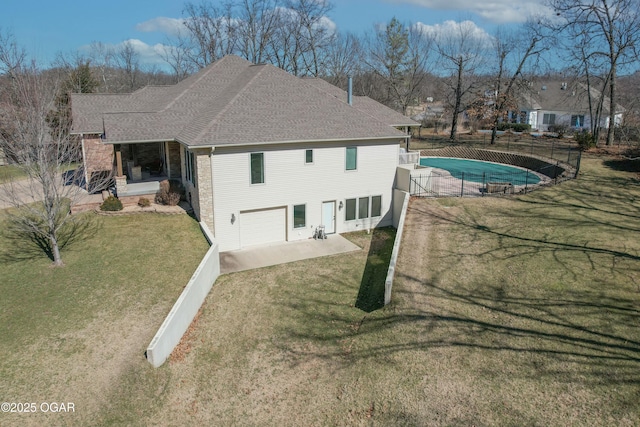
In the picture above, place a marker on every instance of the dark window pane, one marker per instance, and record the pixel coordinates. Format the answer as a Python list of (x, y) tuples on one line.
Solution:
[(350, 210), (299, 216), (257, 168), (363, 207), (308, 156), (376, 206)]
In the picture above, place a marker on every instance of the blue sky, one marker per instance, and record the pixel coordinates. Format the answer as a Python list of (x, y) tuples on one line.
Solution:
[(45, 27)]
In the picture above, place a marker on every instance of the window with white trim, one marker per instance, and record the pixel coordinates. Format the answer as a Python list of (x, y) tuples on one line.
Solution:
[(189, 167), (257, 168), (299, 216), (549, 119), (351, 158), (577, 120), (350, 210), (376, 206), (363, 207)]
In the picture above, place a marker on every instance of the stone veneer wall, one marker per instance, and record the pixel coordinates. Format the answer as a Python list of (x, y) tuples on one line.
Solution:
[(205, 190), (98, 156), (546, 167), (174, 160)]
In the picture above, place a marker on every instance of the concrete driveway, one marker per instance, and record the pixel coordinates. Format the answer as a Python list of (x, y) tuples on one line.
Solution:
[(24, 191), (281, 253)]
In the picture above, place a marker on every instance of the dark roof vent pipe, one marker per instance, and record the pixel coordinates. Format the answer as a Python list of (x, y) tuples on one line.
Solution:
[(350, 91)]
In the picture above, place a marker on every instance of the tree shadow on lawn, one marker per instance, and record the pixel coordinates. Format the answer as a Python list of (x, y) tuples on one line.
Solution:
[(624, 165), (21, 245), (587, 335), (565, 337), (372, 285)]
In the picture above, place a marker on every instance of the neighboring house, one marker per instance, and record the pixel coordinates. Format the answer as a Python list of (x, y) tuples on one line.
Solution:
[(264, 156), (548, 103)]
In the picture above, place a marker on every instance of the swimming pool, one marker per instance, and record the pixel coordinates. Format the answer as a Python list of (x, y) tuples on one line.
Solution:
[(479, 171)]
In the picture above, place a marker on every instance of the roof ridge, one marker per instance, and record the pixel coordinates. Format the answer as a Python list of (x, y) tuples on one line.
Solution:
[(203, 73), (233, 99)]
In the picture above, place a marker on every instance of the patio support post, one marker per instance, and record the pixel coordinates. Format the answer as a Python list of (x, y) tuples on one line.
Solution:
[(119, 161)]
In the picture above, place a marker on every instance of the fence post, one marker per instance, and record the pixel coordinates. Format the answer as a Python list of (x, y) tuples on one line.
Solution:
[(484, 185), (462, 188), (526, 182), (553, 144), (578, 164)]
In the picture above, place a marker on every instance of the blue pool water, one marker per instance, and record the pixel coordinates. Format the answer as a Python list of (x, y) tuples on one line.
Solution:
[(479, 171)]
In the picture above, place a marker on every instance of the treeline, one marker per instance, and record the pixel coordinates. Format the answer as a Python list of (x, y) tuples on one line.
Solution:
[(400, 63)]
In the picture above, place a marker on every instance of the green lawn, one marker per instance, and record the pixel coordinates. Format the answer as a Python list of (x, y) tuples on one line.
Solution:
[(10, 172), (515, 311), (14, 172), (506, 311), (78, 333)]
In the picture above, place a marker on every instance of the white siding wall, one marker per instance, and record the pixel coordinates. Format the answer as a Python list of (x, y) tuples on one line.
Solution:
[(289, 181)]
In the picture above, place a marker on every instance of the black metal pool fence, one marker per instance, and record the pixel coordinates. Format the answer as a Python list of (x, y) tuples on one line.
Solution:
[(549, 148), (544, 165)]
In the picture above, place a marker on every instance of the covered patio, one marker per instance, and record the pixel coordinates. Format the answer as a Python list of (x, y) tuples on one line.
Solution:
[(140, 167)]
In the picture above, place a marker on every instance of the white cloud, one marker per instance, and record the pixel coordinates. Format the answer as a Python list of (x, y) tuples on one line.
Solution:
[(453, 27), (328, 24), (170, 26), (148, 54), (323, 22), (496, 11)]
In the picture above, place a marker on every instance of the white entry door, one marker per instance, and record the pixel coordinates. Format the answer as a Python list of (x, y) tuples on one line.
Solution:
[(329, 217)]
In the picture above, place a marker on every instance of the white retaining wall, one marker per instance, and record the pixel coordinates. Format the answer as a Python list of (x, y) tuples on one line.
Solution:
[(401, 203), (186, 307)]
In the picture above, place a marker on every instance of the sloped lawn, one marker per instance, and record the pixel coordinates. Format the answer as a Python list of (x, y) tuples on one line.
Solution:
[(77, 334), (506, 311)]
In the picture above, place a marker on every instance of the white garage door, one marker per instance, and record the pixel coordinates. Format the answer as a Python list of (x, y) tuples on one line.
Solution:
[(264, 226)]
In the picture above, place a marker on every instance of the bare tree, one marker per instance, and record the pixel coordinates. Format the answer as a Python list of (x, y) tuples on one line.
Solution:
[(512, 52), (609, 32), (314, 35), (398, 55), (179, 59), (257, 24), (302, 38), (343, 59), (461, 53), (128, 60), (12, 56), (103, 60), (48, 159), (211, 33)]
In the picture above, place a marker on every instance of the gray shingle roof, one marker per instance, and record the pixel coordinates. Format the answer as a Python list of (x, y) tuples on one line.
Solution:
[(233, 101), (551, 95), (365, 104)]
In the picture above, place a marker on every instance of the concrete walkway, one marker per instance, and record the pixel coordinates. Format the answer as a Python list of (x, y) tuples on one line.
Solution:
[(281, 253), (24, 191)]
